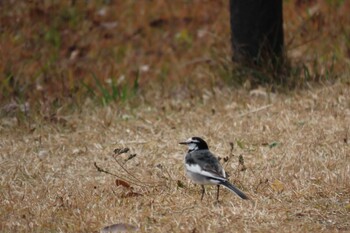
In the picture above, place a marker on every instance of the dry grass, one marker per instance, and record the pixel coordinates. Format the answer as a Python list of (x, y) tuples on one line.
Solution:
[(300, 183), (51, 49), (295, 146)]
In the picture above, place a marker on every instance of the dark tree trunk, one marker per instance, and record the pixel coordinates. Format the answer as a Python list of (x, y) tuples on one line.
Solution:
[(257, 31)]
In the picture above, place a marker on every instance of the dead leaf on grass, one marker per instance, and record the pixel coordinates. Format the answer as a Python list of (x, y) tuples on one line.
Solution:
[(347, 207), (180, 184), (277, 186), (300, 214), (119, 151), (131, 194), (241, 163), (131, 156), (240, 144), (119, 227), (123, 183), (43, 154), (259, 93), (231, 147), (273, 144)]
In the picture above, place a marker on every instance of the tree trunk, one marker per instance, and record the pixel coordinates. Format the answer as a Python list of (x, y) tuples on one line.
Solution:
[(257, 31)]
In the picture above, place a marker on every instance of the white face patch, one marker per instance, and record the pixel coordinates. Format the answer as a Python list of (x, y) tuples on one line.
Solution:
[(192, 146)]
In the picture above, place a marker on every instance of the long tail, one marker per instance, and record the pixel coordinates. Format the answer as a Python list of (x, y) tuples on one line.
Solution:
[(232, 188)]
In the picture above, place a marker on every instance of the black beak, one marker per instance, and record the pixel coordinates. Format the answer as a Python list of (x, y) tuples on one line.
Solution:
[(183, 143)]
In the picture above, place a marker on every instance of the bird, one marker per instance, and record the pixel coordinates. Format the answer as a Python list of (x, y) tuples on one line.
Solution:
[(203, 167)]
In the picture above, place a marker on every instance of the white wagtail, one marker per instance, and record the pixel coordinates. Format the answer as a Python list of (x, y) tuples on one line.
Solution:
[(203, 168)]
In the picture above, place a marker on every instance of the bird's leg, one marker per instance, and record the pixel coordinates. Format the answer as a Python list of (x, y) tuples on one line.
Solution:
[(217, 193), (203, 191)]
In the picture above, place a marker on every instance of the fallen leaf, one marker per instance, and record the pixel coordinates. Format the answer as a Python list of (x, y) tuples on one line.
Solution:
[(241, 163), (300, 214), (119, 227), (231, 146), (131, 156), (240, 144), (277, 186), (273, 144), (260, 93), (180, 184), (119, 151), (347, 207), (43, 154), (123, 183), (131, 194)]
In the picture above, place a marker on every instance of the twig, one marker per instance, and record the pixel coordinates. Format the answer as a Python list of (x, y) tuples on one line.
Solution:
[(196, 61), (131, 175), (255, 110), (99, 169), (135, 179)]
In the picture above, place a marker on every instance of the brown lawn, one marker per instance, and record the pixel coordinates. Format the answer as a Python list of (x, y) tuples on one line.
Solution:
[(296, 165), (169, 64)]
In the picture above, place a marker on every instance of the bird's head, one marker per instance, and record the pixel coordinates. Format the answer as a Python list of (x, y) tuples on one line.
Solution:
[(195, 143)]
